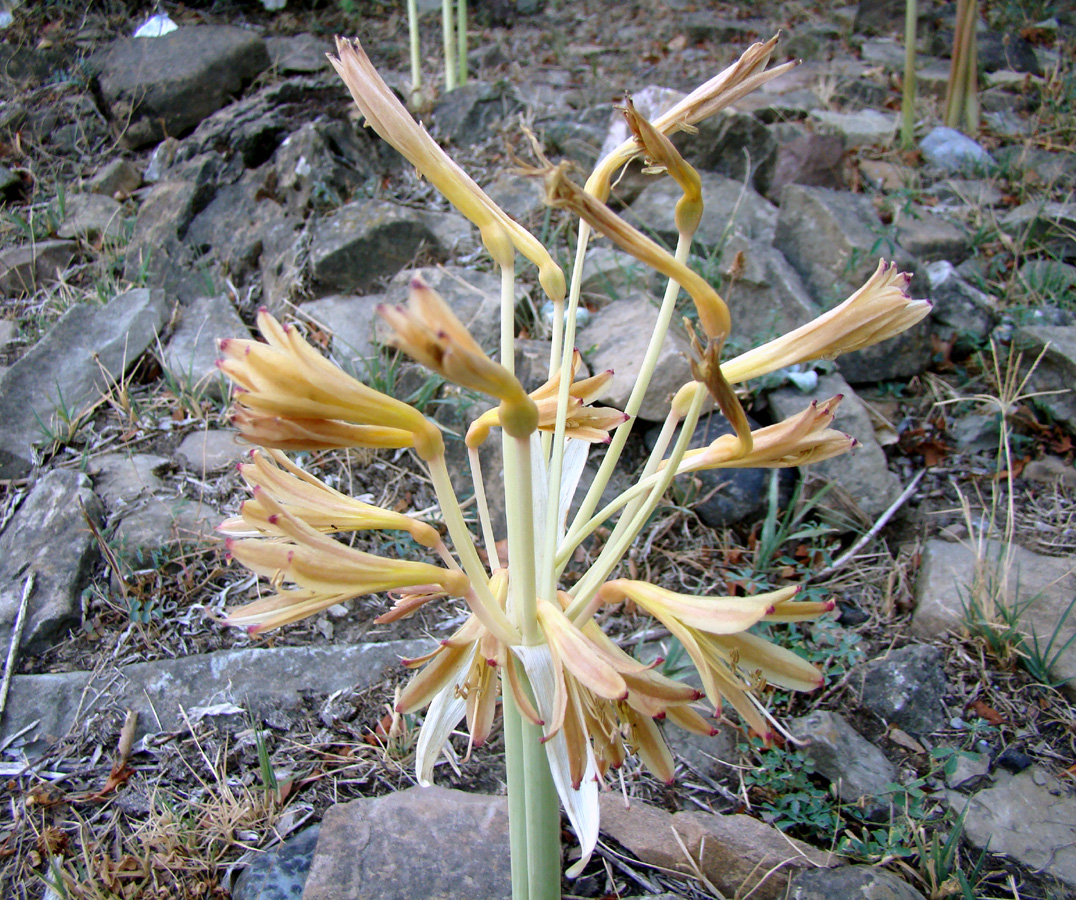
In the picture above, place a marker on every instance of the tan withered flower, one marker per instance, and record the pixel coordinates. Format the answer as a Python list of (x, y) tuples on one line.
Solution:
[(879, 310), (312, 501), (795, 441), (325, 571), (390, 119), (563, 193), (428, 331), (583, 422), (289, 396)]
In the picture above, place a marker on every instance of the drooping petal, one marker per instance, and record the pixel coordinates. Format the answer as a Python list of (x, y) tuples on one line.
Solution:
[(446, 711)]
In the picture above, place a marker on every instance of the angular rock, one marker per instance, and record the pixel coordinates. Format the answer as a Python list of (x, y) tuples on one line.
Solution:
[(1056, 370), (1008, 51), (351, 323), (727, 202), (959, 310), (1030, 817), (522, 198), (844, 756), (878, 16), (736, 853), (862, 474), (885, 52), (367, 240), (726, 143), (865, 128), (167, 85), (279, 874), (1049, 279), (211, 451), (119, 177), (120, 479), (700, 751), (298, 53), (650, 102), (967, 191), (860, 882), (152, 530), (191, 354), (468, 114), (811, 159), (616, 339), (260, 680), (25, 269), (930, 238), (65, 369), (766, 296), (953, 577), (907, 688), (92, 216), (704, 26), (898, 358), (830, 237), (952, 152), (47, 538), (430, 843)]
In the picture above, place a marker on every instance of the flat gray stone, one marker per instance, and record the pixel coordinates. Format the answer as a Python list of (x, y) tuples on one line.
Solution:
[(1030, 817), (930, 238), (211, 451), (848, 882), (351, 322), (862, 474), (522, 198), (120, 478), (610, 274), (92, 216), (49, 538), (865, 128), (191, 353), (368, 240), (152, 529), (617, 337), (907, 687), (844, 756), (471, 113), (1056, 370), (1051, 223), (727, 205), (958, 309), (167, 85), (258, 679), (67, 365), (967, 191), (953, 576), (299, 53), (736, 853), (8, 332), (118, 177), (952, 152), (25, 269), (418, 844)]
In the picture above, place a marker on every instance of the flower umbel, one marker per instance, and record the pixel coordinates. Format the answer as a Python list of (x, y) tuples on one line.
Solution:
[(530, 643)]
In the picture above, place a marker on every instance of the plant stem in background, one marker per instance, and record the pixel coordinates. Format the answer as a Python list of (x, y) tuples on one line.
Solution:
[(449, 38), (962, 98), (461, 34), (907, 104), (416, 59)]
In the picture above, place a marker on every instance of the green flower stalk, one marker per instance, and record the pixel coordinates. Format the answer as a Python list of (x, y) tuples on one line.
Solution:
[(574, 705)]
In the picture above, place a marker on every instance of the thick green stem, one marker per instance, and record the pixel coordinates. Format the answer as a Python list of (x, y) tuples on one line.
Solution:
[(907, 106), (519, 508), (448, 38), (461, 33), (416, 56), (517, 790), (543, 818), (635, 400)]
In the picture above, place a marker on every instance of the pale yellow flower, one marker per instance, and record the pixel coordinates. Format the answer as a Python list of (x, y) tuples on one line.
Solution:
[(879, 310), (289, 396)]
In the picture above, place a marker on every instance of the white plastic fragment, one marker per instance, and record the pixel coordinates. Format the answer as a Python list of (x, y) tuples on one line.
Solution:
[(156, 26)]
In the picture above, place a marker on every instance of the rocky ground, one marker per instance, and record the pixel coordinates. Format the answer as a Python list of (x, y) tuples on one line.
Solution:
[(157, 191)]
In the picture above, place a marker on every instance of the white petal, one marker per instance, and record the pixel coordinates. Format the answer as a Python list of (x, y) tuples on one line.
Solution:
[(575, 459), (445, 712), (581, 805)]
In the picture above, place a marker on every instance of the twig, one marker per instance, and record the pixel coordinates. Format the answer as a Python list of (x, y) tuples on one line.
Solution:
[(16, 639), (848, 556)]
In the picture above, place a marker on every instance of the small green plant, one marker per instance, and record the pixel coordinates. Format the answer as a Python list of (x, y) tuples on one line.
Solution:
[(788, 792)]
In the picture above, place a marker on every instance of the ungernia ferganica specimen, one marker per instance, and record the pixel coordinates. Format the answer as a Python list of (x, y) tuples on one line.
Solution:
[(574, 705)]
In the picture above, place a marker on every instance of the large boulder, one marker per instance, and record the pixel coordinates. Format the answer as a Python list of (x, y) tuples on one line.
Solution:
[(166, 85)]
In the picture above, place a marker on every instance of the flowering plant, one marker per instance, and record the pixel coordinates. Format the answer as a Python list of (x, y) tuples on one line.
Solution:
[(574, 705)]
